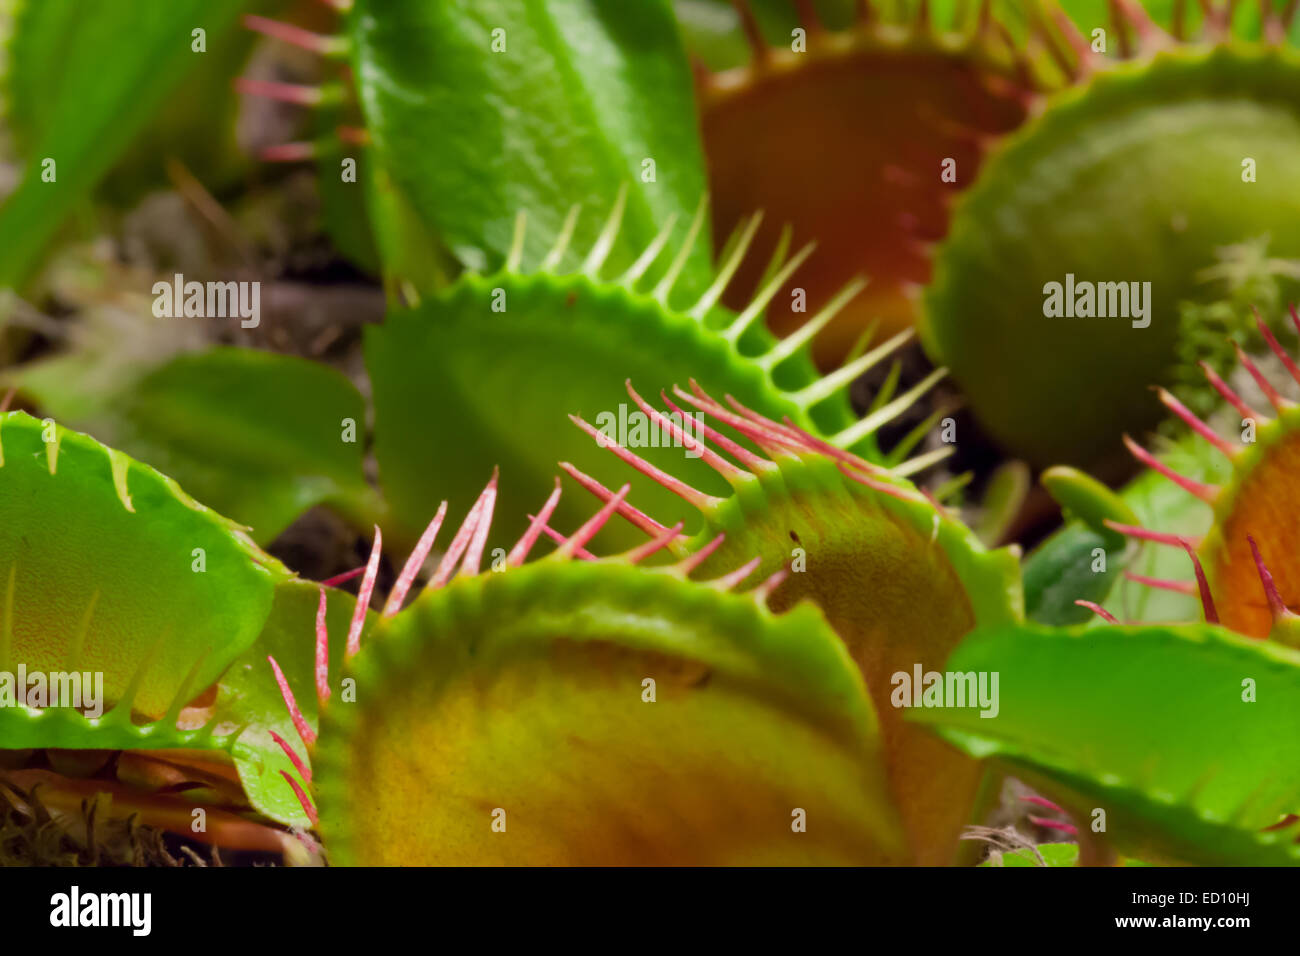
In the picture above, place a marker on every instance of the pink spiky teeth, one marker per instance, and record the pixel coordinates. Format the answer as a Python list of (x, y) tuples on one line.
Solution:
[(519, 553), (678, 487), (1051, 824), (414, 563), (1201, 587), (464, 553), (1063, 825), (298, 94), (308, 807), (1276, 347), (343, 578), (363, 597), (1196, 424), (295, 713), (1277, 607), (637, 517), (322, 668), (304, 771), (1230, 396), (654, 545), (710, 457), (592, 526), (1162, 584), (773, 438), (580, 553), (1146, 534), (1097, 609), (1274, 397), (1206, 492)]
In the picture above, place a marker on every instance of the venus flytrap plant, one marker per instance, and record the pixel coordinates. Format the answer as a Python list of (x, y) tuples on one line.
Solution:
[(698, 726), (1133, 123), (899, 579), (426, 221), (110, 567), (692, 723), (115, 575), (1231, 798)]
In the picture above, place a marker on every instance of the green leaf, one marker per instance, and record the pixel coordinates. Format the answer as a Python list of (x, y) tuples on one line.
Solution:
[(107, 566), (1187, 737), (258, 436), (83, 80), (582, 94), (462, 697), (441, 387)]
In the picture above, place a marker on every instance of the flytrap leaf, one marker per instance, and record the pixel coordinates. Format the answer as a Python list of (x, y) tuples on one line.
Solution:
[(1093, 222), (1187, 737), (693, 727), (444, 382), (697, 727), (258, 436), (478, 110), (899, 579), (75, 121), (107, 567)]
